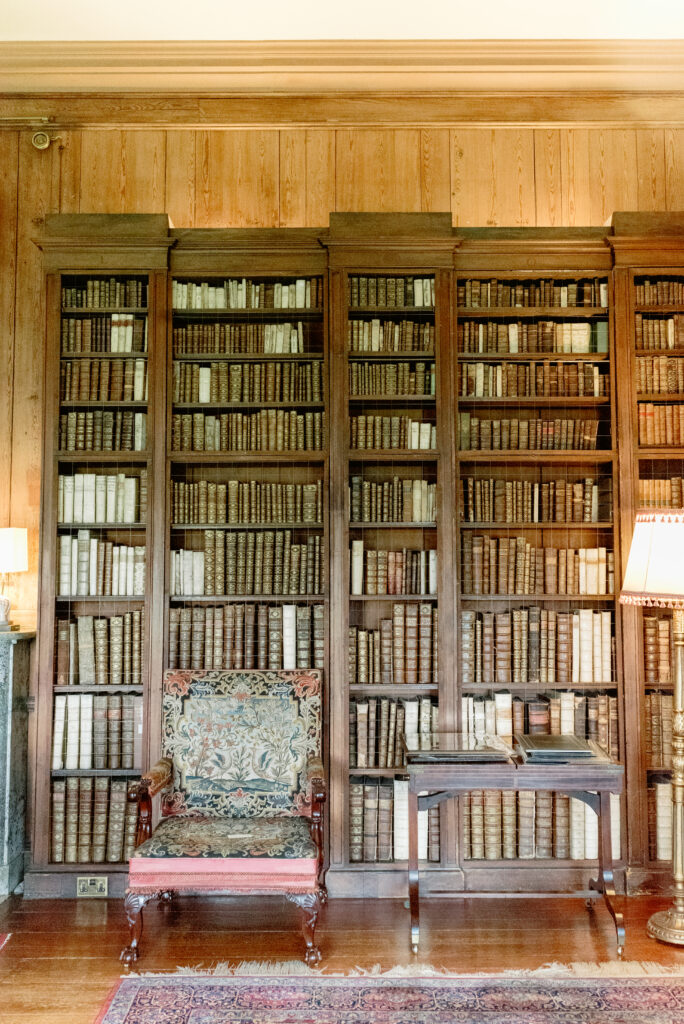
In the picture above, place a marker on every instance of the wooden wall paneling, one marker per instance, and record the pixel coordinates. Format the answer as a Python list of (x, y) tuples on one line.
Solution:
[(38, 195), (378, 171), (123, 172), (547, 178), (435, 170), (9, 172), (237, 179), (674, 169), (575, 176), (492, 177), (613, 174), (181, 177), (69, 150), (307, 177), (650, 144)]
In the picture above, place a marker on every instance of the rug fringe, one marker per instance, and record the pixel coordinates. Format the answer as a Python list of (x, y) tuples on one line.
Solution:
[(297, 968)]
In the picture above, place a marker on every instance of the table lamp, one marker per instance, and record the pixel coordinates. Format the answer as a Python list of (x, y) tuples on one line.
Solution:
[(654, 578), (13, 558)]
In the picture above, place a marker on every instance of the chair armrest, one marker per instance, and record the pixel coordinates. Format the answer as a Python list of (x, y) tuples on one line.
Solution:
[(158, 777), (151, 782), (313, 782)]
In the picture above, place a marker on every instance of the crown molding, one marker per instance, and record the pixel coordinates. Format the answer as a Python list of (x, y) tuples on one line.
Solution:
[(342, 66)]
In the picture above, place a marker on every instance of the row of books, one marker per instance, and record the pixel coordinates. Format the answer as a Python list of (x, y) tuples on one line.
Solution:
[(271, 430), (511, 565), (402, 650), (100, 650), (89, 567), (659, 292), (220, 383), (386, 432), (102, 497), (390, 292), (93, 821), (245, 293), (660, 375), (242, 339), (93, 730), (371, 379), (661, 493), (497, 499), (658, 730), (392, 572), (553, 713), (399, 500), (259, 636), (532, 380), (659, 802), (659, 332), (101, 292), (248, 562), (378, 822), (103, 380), (390, 336), (537, 646), (533, 825), (474, 292), (103, 430), (246, 501), (510, 337), (527, 434), (657, 635), (116, 332), (377, 727), (661, 424)]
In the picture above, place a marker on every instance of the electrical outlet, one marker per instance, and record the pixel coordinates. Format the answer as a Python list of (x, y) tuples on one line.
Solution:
[(91, 885)]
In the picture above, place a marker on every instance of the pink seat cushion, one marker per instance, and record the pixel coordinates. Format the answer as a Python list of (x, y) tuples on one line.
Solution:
[(227, 874)]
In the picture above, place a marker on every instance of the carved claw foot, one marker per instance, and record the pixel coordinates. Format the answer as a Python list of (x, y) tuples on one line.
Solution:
[(309, 905)]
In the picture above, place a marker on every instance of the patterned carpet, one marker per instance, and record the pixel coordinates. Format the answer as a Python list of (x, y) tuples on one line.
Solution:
[(332, 1000)]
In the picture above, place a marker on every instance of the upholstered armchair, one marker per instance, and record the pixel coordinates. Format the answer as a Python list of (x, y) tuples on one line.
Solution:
[(242, 792)]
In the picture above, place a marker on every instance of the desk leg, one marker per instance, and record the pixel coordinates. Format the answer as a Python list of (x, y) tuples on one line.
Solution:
[(605, 882), (413, 870)]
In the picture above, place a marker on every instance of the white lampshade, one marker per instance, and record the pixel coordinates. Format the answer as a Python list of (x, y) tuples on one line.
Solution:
[(655, 567), (13, 549)]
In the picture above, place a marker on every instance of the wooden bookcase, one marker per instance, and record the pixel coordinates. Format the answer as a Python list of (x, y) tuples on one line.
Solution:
[(648, 253), (208, 355), (533, 341), (105, 301)]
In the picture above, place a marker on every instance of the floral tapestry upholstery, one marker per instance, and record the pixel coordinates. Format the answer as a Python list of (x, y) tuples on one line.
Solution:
[(201, 836), (240, 741)]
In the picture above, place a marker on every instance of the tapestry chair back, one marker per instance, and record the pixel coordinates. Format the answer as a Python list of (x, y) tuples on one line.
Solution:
[(240, 741)]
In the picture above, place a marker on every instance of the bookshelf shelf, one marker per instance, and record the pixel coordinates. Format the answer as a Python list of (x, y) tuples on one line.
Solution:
[(261, 315), (185, 527), (415, 598), (533, 357), (103, 355), (569, 457), (661, 397), (424, 525), (90, 311), (541, 598), (392, 399), (118, 527), (249, 598), (531, 312), (222, 457), (393, 690), (523, 525), (532, 402), (118, 457), (232, 406), (392, 455), (248, 357)]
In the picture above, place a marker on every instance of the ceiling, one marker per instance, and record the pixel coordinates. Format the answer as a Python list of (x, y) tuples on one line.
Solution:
[(353, 19)]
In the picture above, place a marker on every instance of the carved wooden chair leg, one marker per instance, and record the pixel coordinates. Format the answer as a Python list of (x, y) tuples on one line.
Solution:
[(309, 905), (133, 905)]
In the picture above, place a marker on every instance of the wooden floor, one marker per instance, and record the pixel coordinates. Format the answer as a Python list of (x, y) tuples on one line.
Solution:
[(62, 959)]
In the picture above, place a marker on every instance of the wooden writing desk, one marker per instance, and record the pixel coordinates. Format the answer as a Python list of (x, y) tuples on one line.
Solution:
[(591, 782)]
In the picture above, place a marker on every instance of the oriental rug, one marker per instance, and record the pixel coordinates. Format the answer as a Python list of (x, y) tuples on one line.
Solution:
[(362, 1000)]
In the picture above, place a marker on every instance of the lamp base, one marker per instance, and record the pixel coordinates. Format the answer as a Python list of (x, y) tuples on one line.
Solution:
[(667, 926)]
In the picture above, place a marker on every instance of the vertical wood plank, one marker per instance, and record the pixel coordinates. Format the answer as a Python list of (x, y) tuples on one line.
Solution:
[(612, 173), (435, 170), (378, 170), (674, 169), (38, 195), (293, 178), (70, 172), (9, 172), (547, 178), (181, 177), (650, 145), (492, 177), (307, 177), (239, 173), (101, 179), (575, 177), (203, 214)]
